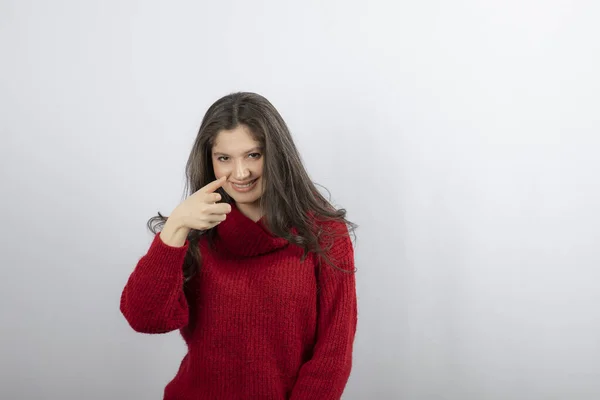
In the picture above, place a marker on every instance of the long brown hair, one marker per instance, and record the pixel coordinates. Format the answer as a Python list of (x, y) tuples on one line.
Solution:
[(290, 198)]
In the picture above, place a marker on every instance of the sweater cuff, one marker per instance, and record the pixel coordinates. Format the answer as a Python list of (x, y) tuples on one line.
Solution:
[(165, 247), (161, 254)]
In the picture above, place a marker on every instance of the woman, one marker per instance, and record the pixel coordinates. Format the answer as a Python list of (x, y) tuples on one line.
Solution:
[(255, 268)]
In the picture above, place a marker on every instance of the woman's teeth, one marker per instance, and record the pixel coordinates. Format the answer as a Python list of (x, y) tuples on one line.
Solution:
[(244, 186)]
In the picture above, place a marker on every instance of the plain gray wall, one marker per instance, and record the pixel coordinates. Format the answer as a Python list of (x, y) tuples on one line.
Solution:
[(463, 138)]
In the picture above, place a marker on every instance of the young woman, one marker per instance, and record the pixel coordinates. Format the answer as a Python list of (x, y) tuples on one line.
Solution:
[(255, 268)]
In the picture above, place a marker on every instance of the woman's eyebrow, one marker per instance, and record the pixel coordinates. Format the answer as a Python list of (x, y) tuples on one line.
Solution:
[(219, 153)]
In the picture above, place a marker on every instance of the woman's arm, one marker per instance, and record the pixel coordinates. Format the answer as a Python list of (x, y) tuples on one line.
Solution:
[(325, 375), (153, 300)]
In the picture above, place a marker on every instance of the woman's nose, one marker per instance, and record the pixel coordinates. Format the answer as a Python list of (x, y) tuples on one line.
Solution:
[(241, 171)]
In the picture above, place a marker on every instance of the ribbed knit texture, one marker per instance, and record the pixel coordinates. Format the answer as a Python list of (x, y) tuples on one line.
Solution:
[(258, 323)]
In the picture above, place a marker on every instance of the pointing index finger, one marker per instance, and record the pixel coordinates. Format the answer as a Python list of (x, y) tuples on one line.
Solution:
[(214, 185)]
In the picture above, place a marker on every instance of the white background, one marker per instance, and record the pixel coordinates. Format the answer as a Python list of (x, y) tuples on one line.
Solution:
[(463, 138)]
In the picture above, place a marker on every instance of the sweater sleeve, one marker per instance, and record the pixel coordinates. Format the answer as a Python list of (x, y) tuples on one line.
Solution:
[(153, 300), (325, 375)]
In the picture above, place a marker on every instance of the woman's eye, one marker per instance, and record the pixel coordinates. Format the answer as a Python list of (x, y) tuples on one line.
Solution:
[(254, 155), (222, 158)]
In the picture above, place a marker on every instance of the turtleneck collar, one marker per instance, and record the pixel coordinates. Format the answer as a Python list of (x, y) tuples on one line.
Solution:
[(241, 236)]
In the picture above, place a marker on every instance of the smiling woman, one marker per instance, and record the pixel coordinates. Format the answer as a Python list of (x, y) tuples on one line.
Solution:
[(255, 268)]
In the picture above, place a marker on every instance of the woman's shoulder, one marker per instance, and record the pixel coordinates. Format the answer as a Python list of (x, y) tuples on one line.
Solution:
[(329, 225), (334, 236)]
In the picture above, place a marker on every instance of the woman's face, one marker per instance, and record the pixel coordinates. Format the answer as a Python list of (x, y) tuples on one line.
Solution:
[(239, 157)]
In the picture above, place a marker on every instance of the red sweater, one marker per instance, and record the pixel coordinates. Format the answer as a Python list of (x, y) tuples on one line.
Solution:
[(258, 323)]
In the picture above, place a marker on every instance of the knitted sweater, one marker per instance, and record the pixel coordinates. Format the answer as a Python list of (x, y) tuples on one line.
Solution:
[(258, 322)]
